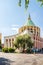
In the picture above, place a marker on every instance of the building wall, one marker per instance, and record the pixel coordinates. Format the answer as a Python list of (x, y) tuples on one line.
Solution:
[(38, 41), (9, 41), (33, 29)]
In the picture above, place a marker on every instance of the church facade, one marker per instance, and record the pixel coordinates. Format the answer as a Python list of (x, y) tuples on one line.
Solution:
[(28, 28)]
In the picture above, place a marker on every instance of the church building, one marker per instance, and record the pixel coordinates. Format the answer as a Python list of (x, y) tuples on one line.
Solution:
[(28, 28)]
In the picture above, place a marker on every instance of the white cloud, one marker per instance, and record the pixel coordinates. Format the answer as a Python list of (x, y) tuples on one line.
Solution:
[(15, 25), (15, 29)]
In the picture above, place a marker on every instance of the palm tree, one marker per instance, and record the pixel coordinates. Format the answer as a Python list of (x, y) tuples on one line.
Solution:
[(28, 1)]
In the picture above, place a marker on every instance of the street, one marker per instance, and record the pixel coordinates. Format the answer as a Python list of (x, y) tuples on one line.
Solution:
[(20, 59)]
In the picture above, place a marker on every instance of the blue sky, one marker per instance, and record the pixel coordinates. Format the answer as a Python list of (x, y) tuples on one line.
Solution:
[(13, 17)]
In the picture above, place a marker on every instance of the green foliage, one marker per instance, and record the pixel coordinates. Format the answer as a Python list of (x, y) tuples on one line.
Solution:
[(18, 41), (23, 40), (28, 50), (0, 45), (5, 50), (27, 3), (19, 3), (11, 50), (28, 41), (41, 1), (0, 41)]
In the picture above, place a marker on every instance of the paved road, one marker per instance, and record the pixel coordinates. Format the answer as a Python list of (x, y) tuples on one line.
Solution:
[(21, 59)]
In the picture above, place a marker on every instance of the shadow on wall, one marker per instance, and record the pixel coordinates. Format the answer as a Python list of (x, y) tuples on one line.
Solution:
[(4, 61)]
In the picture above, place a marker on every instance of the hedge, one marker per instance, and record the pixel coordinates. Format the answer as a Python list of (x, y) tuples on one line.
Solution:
[(6, 50)]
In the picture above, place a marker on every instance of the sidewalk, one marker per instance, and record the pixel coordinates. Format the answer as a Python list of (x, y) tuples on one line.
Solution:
[(20, 59)]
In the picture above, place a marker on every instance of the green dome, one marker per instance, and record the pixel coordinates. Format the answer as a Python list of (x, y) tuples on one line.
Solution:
[(29, 22)]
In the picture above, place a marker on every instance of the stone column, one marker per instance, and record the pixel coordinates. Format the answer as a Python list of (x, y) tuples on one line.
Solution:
[(11, 43), (4, 42), (8, 44)]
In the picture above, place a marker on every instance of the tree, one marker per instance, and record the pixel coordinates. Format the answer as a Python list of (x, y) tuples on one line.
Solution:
[(27, 3), (40, 1), (18, 41), (23, 41), (27, 40), (0, 44)]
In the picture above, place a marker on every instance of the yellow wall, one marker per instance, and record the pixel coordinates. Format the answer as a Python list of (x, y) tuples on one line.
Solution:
[(33, 29)]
